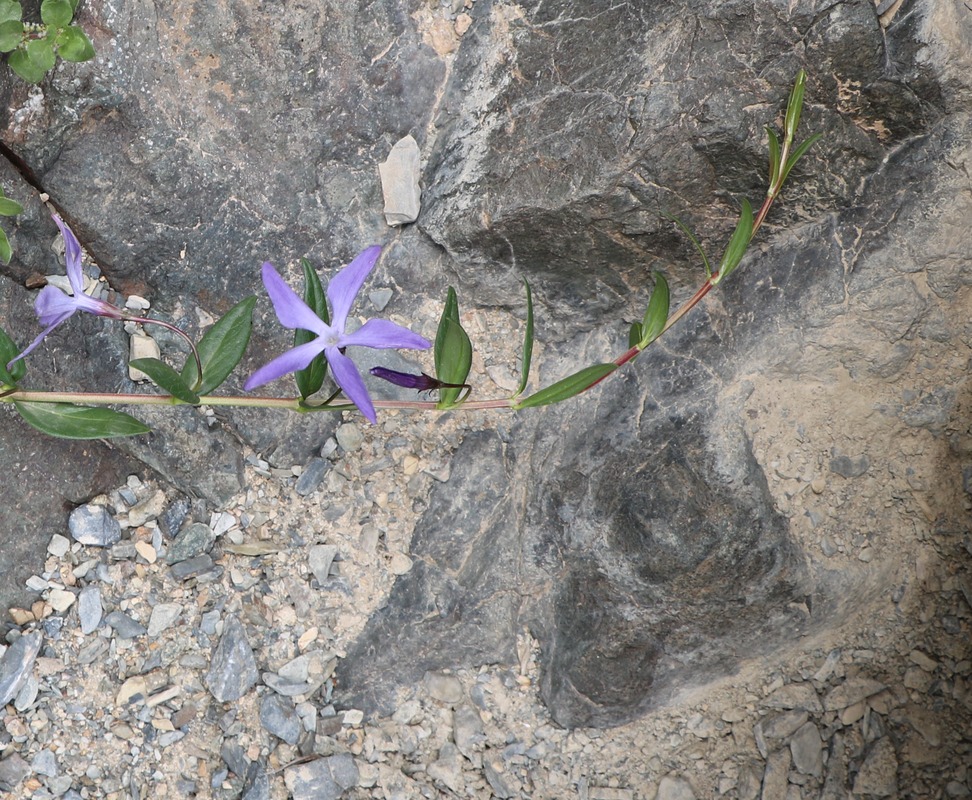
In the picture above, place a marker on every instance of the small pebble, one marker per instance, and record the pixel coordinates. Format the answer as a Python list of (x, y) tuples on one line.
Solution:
[(94, 526)]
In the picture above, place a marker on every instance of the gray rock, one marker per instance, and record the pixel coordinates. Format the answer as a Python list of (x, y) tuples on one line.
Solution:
[(235, 758), (192, 567), (256, 786), (674, 787), (806, 749), (849, 467), (192, 541), (27, 694), (795, 695), (446, 770), (400, 174), (94, 526), (13, 770), (233, 670), (312, 476), (320, 558), (775, 775), (878, 775), (773, 729), (163, 615), (279, 717), (349, 436), (497, 781), (323, 779), (90, 609), (851, 691), (44, 763), (289, 688), (17, 663), (445, 688), (124, 625), (467, 730)]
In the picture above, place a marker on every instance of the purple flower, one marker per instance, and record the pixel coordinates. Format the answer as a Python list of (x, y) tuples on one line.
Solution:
[(332, 339), (53, 306)]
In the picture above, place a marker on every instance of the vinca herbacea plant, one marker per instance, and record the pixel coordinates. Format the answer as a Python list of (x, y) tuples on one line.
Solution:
[(324, 341), (34, 47)]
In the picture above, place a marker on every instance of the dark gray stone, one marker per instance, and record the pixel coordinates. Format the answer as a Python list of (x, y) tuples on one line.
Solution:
[(124, 625), (13, 770), (323, 779), (192, 541), (233, 671), (17, 663), (90, 609), (312, 476), (279, 717), (192, 567), (94, 526)]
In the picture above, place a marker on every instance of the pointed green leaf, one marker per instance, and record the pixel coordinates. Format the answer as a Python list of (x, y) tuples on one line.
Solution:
[(794, 107), (21, 64), (41, 53), (6, 251), (311, 378), (698, 247), (634, 335), (656, 315), (221, 349), (527, 354), (774, 156), (11, 35), (10, 208), (166, 378), (798, 154), (11, 11), (68, 421), (9, 351), (738, 244), (568, 387), (56, 13), (74, 45), (453, 351)]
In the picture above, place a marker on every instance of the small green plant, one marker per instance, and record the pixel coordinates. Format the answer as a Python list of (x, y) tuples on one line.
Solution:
[(8, 208), (35, 46)]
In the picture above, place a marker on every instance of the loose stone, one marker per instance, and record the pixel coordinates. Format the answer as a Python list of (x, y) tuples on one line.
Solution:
[(322, 779), (806, 749), (312, 476), (775, 775), (795, 695), (851, 691), (467, 730), (59, 546), (349, 436), (44, 763), (163, 615), (192, 541), (124, 625), (878, 773), (673, 787), (445, 688), (400, 182), (233, 670), (90, 609), (61, 599), (17, 663), (320, 558), (278, 716), (92, 525), (149, 508), (192, 567)]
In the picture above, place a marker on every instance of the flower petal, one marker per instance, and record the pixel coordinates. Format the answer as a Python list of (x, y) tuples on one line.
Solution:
[(294, 359), (36, 342), (72, 256), (52, 306), (344, 287), (346, 376), (291, 310), (382, 334)]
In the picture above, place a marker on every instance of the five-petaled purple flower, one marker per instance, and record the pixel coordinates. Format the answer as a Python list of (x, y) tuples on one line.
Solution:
[(53, 306), (332, 339)]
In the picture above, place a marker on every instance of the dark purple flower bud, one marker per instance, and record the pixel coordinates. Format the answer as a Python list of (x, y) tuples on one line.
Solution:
[(420, 382)]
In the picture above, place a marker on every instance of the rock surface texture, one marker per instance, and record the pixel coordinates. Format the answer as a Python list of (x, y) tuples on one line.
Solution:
[(791, 461)]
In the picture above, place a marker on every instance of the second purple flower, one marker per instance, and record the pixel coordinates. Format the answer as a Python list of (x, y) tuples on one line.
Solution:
[(331, 339)]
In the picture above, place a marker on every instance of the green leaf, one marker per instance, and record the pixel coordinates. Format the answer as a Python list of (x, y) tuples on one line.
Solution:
[(41, 53), (9, 351), (798, 154), (698, 247), (527, 355), (453, 351), (6, 251), (634, 335), (10, 10), (68, 421), (568, 387), (656, 315), (166, 378), (74, 45), (221, 349), (9, 208), (11, 35), (794, 106), (738, 244), (21, 64), (56, 13), (311, 378), (774, 156)]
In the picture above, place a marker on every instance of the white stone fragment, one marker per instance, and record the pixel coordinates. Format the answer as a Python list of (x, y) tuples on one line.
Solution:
[(137, 303), (141, 346), (400, 182)]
